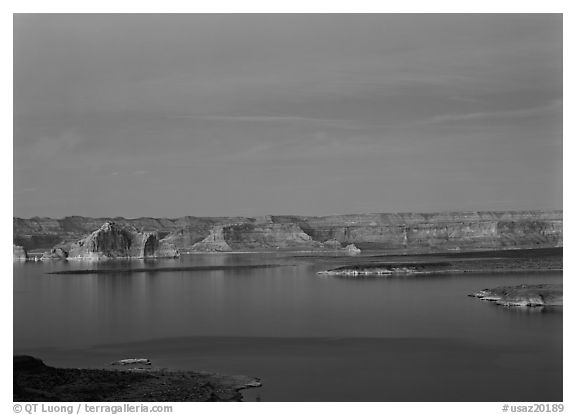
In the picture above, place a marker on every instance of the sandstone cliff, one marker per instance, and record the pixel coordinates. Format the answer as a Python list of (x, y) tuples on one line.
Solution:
[(214, 242), (404, 232), (112, 240), (537, 295), (256, 236), (440, 231)]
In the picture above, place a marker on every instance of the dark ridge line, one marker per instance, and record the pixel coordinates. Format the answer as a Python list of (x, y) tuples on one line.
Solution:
[(165, 269), (398, 213)]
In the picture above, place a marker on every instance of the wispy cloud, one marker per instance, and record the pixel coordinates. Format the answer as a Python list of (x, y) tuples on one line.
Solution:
[(267, 119), (481, 115)]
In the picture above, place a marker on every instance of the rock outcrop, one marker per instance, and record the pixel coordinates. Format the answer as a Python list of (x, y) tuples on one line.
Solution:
[(19, 253), (33, 381), (257, 236), (352, 250), (214, 242), (398, 232), (115, 241)]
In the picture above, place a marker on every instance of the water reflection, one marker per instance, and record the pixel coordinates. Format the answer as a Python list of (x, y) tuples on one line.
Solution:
[(292, 326)]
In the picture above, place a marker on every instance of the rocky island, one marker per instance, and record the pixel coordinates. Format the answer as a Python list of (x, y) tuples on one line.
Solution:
[(503, 261), (406, 233), (525, 295), (389, 269)]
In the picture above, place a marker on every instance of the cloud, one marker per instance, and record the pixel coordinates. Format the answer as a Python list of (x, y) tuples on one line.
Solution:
[(482, 115)]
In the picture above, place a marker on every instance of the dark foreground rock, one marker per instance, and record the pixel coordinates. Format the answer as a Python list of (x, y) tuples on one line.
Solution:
[(34, 381), (523, 295)]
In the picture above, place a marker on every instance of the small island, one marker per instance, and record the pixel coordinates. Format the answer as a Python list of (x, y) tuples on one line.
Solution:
[(389, 269), (525, 295)]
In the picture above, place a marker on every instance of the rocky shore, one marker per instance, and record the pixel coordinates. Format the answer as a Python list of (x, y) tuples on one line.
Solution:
[(35, 381)]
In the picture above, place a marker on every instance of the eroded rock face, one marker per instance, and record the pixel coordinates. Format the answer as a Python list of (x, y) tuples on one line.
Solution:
[(257, 236), (116, 241), (186, 237), (19, 253), (440, 232), (269, 236), (214, 242)]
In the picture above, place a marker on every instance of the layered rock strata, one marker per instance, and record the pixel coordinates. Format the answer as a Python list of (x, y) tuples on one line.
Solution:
[(115, 241), (400, 232)]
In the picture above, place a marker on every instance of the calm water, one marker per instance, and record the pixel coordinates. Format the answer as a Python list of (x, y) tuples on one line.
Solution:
[(308, 337)]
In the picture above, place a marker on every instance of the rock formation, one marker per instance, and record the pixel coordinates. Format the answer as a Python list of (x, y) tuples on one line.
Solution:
[(33, 381), (440, 232), (215, 242), (352, 250), (19, 253), (398, 232), (115, 241), (257, 236), (387, 269)]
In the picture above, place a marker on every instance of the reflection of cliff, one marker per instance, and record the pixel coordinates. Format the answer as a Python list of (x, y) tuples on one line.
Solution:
[(115, 241), (404, 231)]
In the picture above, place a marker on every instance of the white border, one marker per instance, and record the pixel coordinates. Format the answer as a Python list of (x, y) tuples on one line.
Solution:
[(301, 6)]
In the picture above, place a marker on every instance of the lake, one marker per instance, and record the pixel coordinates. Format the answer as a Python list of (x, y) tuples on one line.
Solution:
[(308, 337)]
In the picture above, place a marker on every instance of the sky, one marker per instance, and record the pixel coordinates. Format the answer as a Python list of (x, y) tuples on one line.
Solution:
[(253, 114)]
